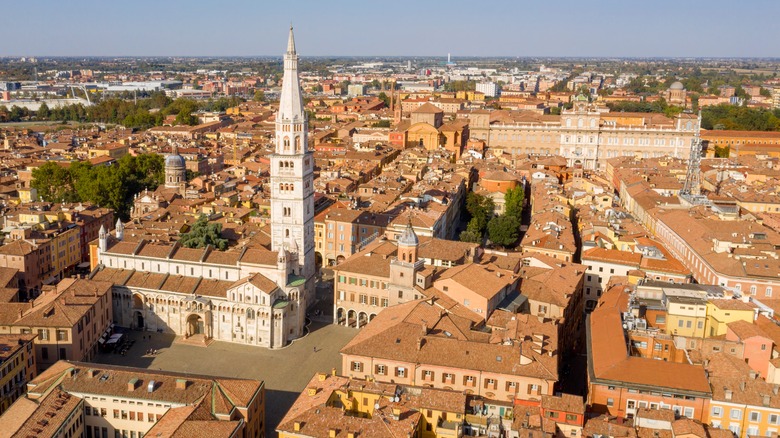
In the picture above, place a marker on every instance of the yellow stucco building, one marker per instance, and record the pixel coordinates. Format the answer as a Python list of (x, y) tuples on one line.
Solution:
[(17, 367), (722, 312)]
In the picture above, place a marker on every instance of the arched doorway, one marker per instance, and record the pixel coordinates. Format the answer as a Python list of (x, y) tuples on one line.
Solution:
[(195, 325), (371, 317), (362, 319), (138, 319), (351, 318), (340, 316), (340, 259), (318, 260)]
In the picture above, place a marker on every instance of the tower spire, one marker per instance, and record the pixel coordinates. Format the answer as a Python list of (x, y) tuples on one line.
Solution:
[(291, 42)]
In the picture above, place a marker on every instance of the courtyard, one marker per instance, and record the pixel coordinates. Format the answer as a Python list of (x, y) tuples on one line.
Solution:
[(285, 372)]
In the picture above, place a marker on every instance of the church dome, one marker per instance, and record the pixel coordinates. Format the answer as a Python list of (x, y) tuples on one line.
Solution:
[(408, 237), (677, 86), (174, 160)]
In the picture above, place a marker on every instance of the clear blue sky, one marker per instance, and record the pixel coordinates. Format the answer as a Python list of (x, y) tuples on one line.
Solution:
[(696, 28)]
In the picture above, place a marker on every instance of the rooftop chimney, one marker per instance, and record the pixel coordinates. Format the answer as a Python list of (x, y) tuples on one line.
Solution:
[(182, 383)]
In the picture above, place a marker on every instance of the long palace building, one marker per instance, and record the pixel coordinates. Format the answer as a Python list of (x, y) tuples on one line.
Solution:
[(247, 295), (585, 135)]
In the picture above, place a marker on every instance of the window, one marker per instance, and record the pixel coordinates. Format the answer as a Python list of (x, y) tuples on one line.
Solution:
[(381, 370), (735, 414), (755, 417), (768, 292), (400, 372), (357, 366), (610, 402), (773, 419), (688, 412), (43, 334), (717, 411), (62, 335)]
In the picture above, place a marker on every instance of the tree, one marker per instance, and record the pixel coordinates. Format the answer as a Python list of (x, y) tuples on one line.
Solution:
[(722, 152), (384, 98), (765, 92), (504, 230), (480, 208), (259, 96), (185, 117), (43, 112), (53, 183), (513, 200), (204, 233), (470, 236)]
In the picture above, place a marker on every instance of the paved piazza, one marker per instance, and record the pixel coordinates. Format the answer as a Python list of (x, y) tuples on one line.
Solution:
[(284, 371)]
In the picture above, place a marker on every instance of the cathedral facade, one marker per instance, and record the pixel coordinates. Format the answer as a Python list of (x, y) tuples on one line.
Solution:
[(247, 295)]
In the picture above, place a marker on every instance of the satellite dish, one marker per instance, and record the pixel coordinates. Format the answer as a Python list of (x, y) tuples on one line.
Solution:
[(396, 399), (376, 406)]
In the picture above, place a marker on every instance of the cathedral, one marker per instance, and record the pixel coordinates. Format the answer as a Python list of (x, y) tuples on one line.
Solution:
[(247, 295)]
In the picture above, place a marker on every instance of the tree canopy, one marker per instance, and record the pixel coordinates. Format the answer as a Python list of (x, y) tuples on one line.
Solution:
[(504, 230), (479, 208), (513, 202), (204, 233), (106, 186)]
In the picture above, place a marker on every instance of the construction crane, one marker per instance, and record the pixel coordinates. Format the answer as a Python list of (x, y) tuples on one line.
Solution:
[(691, 191)]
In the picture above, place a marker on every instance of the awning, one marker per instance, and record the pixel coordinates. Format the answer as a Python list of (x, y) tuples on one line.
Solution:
[(83, 265)]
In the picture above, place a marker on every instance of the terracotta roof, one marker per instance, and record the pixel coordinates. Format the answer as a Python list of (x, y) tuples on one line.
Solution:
[(395, 332), (608, 358)]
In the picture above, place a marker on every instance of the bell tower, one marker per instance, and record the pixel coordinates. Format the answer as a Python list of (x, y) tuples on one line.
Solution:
[(292, 169)]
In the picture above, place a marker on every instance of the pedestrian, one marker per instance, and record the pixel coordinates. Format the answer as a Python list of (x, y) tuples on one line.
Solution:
[(315, 349)]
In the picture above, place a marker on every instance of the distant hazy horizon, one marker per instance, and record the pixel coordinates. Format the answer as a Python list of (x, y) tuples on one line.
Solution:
[(405, 28)]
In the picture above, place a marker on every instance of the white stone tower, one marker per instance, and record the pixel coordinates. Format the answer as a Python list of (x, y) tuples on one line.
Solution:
[(292, 167)]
